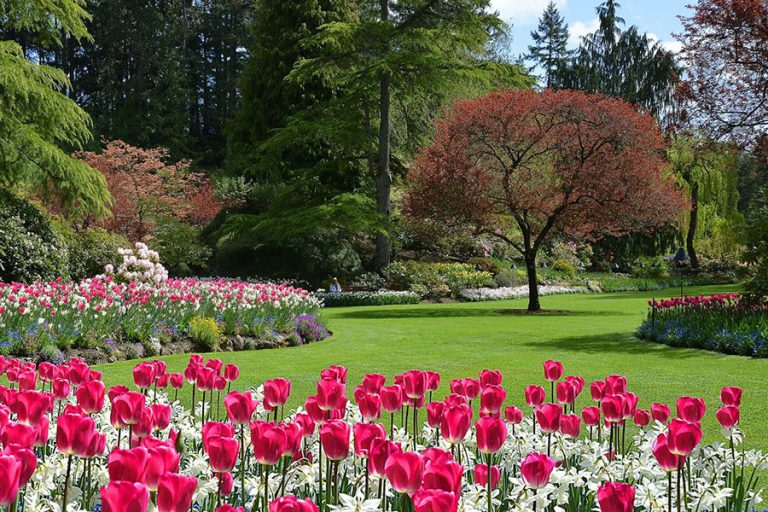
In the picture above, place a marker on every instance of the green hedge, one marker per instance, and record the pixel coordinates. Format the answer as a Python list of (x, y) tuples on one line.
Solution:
[(380, 298)]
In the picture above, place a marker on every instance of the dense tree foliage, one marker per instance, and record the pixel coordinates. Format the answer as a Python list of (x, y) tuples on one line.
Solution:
[(522, 166), (36, 117), (549, 50)]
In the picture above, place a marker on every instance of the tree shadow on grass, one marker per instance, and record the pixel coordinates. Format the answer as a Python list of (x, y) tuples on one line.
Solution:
[(617, 343), (453, 312)]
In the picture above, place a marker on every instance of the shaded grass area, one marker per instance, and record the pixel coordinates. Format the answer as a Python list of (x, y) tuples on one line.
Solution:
[(592, 335)]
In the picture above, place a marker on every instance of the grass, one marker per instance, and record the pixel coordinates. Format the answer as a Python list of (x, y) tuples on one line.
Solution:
[(592, 336)]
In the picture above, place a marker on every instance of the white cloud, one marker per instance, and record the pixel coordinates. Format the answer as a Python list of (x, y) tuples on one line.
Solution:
[(671, 45), (579, 29), (522, 12)]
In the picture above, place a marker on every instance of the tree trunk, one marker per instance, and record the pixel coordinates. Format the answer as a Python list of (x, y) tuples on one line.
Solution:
[(692, 223), (383, 178), (533, 281)]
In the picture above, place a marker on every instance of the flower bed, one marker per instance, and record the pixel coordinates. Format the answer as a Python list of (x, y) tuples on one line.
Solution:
[(377, 298), (102, 313), (68, 441), (721, 323), (515, 292)]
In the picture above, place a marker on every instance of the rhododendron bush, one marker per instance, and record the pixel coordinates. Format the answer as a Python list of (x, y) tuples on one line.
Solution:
[(68, 441), (101, 310)]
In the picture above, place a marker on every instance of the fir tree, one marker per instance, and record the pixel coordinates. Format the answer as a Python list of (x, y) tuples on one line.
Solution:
[(549, 49), (36, 118)]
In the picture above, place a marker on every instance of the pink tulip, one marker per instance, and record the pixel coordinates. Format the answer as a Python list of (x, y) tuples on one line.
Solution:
[(404, 471), (536, 470), (616, 497), (121, 496)]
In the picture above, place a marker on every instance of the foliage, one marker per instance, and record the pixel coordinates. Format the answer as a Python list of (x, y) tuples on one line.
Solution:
[(722, 323), (310, 329), (435, 279), (144, 188), (564, 162), (180, 246), (30, 249), (623, 63), (90, 250), (651, 267), (486, 265), (38, 118), (374, 298), (725, 52), (93, 311), (510, 278), (368, 281), (549, 50), (565, 266), (204, 333)]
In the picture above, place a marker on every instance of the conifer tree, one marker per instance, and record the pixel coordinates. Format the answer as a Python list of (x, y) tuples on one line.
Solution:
[(549, 49)]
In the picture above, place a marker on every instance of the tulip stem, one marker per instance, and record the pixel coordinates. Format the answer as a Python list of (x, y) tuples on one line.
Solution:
[(242, 463), (669, 491), (193, 403), (490, 478), (286, 461), (66, 483), (415, 426), (320, 475), (266, 487), (202, 411)]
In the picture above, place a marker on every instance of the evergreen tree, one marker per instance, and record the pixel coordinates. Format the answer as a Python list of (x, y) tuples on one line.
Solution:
[(623, 63), (549, 49), (36, 118)]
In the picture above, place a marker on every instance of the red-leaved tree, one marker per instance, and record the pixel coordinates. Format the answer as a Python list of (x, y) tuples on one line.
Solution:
[(725, 53), (522, 165), (145, 187)]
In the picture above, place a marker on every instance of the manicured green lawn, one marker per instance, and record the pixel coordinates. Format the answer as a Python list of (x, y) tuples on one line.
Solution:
[(592, 336)]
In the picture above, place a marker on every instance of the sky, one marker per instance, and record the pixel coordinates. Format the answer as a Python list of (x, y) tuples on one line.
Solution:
[(658, 18)]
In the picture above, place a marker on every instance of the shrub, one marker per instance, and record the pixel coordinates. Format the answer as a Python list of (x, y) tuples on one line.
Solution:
[(486, 265), (650, 268), (310, 329), (180, 247), (91, 249), (204, 333), (140, 265), (368, 281), (378, 298), (30, 249), (564, 266), (510, 278), (435, 279)]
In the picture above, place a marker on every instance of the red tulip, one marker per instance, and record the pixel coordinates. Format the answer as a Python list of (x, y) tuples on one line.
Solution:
[(161, 416), (613, 408), (41, 432), (334, 436), (455, 423), (491, 435), (204, 378), (175, 492), (683, 436), (548, 416), (10, 471), (307, 425), (144, 375), (731, 396), (370, 407), (481, 475), (216, 428), (378, 455), (453, 400), (490, 378), (660, 412), (591, 416), (276, 393), (616, 497), (667, 460), (190, 373), (74, 433), (433, 381), (435, 414), (391, 398), (222, 452), (18, 433), (728, 416), (597, 390), (129, 407), (566, 392), (31, 406), (535, 396), (570, 425), (536, 470), (96, 446), (553, 370), (162, 459), (28, 461), (176, 380), (415, 383), (120, 496), (268, 441), (293, 436), (691, 409), (491, 398), (240, 407), (471, 388), (513, 415), (144, 427), (642, 417), (615, 384), (61, 389), (329, 394), (128, 465), (365, 434), (435, 500), (404, 470), (444, 475), (292, 504), (373, 382), (231, 372), (316, 414), (27, 380)]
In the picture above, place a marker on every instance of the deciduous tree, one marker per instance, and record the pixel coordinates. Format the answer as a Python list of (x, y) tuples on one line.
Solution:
[(522, 165)]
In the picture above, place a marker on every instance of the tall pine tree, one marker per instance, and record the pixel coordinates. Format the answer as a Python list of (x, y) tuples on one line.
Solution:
[(549, 49)]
